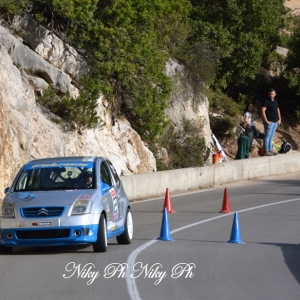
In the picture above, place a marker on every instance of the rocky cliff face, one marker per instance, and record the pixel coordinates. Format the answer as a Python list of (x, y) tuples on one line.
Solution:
[(184, 103), (31, 60)]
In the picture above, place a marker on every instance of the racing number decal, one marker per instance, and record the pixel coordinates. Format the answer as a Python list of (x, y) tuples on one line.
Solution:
[(115, 204), (116, 212)]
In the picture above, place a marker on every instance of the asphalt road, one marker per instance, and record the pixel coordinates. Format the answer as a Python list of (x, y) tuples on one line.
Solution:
[(198, 264)]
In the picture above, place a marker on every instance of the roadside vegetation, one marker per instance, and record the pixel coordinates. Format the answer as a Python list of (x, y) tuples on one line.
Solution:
[(227, 49)]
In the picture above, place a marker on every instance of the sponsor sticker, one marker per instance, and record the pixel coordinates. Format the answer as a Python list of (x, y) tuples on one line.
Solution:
[(107, 208), (119, 223), (85, 196), (88, 159), (58, 165), (113, 193), (111, 225), (41, 223), (24, 196)]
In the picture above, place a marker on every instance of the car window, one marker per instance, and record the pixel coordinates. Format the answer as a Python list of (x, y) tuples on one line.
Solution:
[(105, 176), (51, 177), (114, 172)]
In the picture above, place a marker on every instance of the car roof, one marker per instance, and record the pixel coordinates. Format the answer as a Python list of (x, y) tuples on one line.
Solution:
[(64, 159)]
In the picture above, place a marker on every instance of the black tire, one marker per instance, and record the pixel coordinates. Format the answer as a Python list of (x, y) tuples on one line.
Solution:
[(5, 250), (101, 244), (126, 236)]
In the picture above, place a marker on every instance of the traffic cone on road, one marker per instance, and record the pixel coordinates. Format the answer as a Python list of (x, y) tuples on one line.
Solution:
[(168, 203), (235, 237), (165, 228), (226, 204)]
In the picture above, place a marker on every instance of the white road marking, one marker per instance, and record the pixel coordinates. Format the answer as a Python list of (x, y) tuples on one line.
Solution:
[(130, 282)]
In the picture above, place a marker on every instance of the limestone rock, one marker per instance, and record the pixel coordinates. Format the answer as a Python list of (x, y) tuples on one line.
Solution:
[(49, 46), (26, 132), (26, 129), (24, 58), (182, 103)]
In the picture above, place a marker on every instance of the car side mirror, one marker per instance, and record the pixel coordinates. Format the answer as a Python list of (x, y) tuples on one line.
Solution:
[(6, 190), (104, 188)]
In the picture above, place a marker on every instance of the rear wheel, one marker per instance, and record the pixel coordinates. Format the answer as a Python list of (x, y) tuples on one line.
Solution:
[(101, 244), (126, 236)]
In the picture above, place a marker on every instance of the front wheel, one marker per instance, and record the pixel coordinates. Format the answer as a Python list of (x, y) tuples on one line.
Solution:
[(126, 236), (101, 244)]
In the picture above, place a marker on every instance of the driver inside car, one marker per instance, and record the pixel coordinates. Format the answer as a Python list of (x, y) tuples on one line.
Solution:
[(88, 180)]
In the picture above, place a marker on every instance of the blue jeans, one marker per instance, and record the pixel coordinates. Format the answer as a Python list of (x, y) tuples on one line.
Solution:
[(270, 130)]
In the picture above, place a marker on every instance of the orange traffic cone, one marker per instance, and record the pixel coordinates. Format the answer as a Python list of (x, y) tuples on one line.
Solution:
[(226, 204), (168, 203)]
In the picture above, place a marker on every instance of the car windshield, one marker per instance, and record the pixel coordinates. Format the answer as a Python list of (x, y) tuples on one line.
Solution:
[(61, 176)]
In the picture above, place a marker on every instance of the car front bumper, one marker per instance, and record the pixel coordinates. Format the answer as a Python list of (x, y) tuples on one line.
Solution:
[(54, 236), (49, 231)]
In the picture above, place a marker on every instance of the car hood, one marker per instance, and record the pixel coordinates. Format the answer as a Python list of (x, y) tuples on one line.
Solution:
[(49, 198)]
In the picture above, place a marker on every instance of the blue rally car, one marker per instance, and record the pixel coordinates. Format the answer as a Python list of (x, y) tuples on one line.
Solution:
[(65, 201)]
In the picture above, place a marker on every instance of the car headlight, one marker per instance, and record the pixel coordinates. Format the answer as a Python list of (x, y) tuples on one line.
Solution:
[(7, 210), (82, 207)]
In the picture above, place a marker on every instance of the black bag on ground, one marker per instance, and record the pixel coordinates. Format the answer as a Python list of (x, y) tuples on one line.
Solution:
[(285, 147)]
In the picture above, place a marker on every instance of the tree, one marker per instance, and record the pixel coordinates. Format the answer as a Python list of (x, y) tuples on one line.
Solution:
[(290, 78), (243, 32), (292, 71), (126, 43), (130, 52)]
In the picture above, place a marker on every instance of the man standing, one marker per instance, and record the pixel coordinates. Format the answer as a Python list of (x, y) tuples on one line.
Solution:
[(271, 118)]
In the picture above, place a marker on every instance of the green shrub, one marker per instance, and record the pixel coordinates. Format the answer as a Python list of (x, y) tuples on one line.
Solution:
[(222, 126), (185, 147), (75, 113), (222, 104)]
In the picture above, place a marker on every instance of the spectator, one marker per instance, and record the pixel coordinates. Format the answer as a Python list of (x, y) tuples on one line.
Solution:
[(270, 113), (250, 129)]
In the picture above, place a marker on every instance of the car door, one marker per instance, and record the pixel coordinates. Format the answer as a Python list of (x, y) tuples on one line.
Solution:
[(120, 191), (111, 197)]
